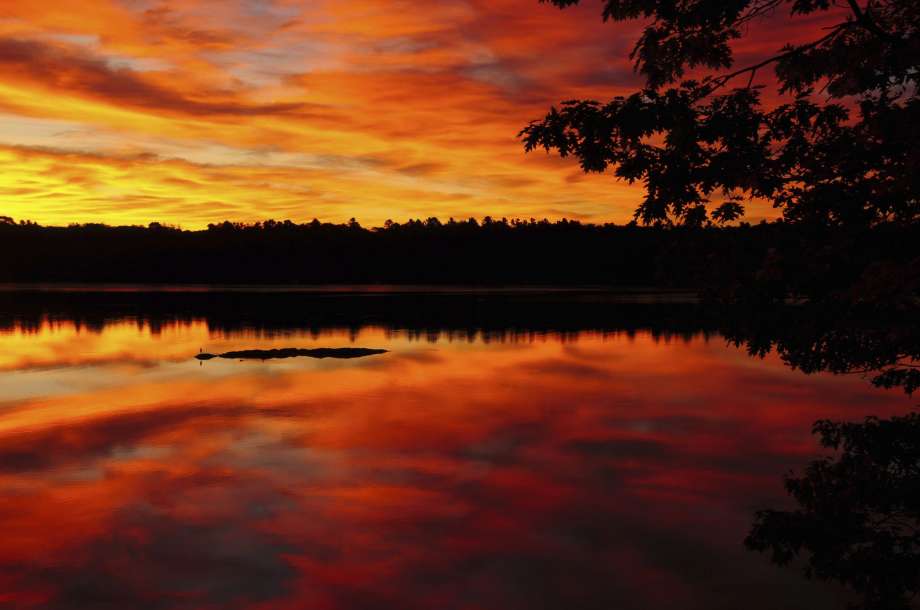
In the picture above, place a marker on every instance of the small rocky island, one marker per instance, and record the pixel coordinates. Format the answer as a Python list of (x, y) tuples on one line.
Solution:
[(275, 354)]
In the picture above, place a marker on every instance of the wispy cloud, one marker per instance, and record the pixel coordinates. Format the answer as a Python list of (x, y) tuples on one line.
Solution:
[(159, 109)]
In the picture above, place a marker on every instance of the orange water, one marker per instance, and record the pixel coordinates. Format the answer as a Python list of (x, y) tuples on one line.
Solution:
[(456, 471)]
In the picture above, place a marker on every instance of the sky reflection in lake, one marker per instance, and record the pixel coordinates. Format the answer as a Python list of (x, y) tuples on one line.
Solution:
[(586, 470)]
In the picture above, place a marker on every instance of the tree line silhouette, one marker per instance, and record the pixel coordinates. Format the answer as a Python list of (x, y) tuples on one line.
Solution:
[(429, 251), (766, 259)]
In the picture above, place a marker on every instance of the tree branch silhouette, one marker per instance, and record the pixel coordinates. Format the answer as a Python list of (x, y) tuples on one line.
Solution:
[(834, 159)]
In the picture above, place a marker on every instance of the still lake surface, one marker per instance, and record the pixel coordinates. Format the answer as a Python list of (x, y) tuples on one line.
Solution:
[(478, 464)]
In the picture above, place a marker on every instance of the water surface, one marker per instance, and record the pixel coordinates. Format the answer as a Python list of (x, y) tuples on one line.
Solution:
[(467, 468)]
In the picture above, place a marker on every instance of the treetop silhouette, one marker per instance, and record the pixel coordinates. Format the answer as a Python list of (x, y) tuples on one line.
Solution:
[(841, 150)]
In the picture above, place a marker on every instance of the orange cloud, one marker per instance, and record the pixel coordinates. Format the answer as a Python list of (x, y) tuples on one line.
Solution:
[(194, 111), (37, 64)]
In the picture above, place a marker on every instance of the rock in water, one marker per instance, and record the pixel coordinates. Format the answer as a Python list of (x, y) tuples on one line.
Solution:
[(275, 354)]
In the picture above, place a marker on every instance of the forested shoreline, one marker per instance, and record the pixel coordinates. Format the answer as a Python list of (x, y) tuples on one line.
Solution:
[(488, 252)]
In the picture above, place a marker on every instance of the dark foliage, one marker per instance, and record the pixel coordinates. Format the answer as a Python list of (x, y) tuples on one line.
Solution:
[(429, 252), (840, 150), (723, 260), (858, 521)]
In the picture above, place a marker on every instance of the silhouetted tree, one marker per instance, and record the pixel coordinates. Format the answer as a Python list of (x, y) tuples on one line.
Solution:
[(431, 252), (416, 251), (858, 521), (841, 150)]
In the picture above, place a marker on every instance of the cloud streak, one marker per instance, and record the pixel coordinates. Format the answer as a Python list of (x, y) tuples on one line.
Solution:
[(414, 108)]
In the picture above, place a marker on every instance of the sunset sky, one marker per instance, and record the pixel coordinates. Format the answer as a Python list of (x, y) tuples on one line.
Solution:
[(195, 111)]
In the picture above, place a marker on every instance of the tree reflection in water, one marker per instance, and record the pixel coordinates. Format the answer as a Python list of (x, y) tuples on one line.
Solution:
[(858, 521), (858, 516), (882, 343)]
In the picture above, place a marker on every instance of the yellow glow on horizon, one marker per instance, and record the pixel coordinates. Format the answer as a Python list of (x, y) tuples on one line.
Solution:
[(187, 114)]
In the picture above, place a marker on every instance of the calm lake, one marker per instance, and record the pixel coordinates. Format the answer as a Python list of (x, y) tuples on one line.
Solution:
[(526, 452)]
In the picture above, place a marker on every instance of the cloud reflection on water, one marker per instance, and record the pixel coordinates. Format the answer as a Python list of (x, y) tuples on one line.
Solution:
[(597, 471)]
